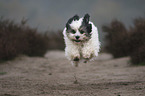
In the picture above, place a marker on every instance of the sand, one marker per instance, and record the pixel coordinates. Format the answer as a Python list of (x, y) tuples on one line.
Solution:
[(53, 75)]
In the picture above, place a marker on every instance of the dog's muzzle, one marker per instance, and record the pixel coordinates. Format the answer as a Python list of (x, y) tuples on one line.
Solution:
[(77, 39)]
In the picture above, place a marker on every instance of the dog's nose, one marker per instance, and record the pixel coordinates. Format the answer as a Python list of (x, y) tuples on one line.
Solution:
[(77, 37)]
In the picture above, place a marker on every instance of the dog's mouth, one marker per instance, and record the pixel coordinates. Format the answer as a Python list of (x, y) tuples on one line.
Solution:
[(77, 40)]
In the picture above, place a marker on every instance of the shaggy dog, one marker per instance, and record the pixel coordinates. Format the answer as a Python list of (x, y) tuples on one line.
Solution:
[(81, 39)]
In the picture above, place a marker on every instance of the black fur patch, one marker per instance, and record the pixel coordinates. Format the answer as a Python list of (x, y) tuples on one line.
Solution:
[(76, 17), (89, 28), (76, 59), (86, 26), (86, 19)]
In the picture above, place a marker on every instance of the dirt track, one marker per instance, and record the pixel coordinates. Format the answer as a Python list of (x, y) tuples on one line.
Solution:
[(54, 76)]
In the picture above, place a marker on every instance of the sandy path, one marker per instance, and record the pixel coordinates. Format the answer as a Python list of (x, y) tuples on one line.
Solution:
[(53, 76)]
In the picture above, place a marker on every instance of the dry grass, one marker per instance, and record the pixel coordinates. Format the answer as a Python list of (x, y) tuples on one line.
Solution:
[(16, 39), (122, 42)]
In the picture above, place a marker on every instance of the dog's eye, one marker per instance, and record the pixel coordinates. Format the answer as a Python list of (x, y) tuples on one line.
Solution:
[(81, 31), (73, 31)]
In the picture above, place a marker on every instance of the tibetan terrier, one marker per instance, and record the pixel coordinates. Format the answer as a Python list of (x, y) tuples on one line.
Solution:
[(81, 39)]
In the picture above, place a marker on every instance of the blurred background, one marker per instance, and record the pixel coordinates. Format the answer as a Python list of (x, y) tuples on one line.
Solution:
[(33, 27)]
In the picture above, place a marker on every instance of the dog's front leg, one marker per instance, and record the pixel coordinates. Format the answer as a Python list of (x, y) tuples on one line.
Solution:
[(73, 54), (75, 61), (87, 52), (75, 57)]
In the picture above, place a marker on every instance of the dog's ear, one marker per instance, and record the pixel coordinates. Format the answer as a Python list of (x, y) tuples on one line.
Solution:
[(86, 19), (89, 28), (75, 17), (86, 23)]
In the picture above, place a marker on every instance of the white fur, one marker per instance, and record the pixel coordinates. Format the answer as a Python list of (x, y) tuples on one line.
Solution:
[(76, 24), (87, 51)]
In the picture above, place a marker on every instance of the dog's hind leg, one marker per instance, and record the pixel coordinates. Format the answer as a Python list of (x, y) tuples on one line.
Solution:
[(75, 75), (75, 61)]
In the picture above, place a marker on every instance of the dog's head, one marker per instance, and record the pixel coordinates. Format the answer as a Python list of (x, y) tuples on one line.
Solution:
[(79, 29)]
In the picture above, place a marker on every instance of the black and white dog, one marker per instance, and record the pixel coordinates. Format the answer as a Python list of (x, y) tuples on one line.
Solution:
[(81, 39)]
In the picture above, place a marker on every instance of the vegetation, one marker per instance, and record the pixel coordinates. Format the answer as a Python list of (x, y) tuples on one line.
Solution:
[(16, 39), (122, 42)]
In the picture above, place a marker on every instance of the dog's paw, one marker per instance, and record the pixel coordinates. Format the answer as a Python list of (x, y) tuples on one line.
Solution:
[(87, 56), (86, 60), (76, 59)]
